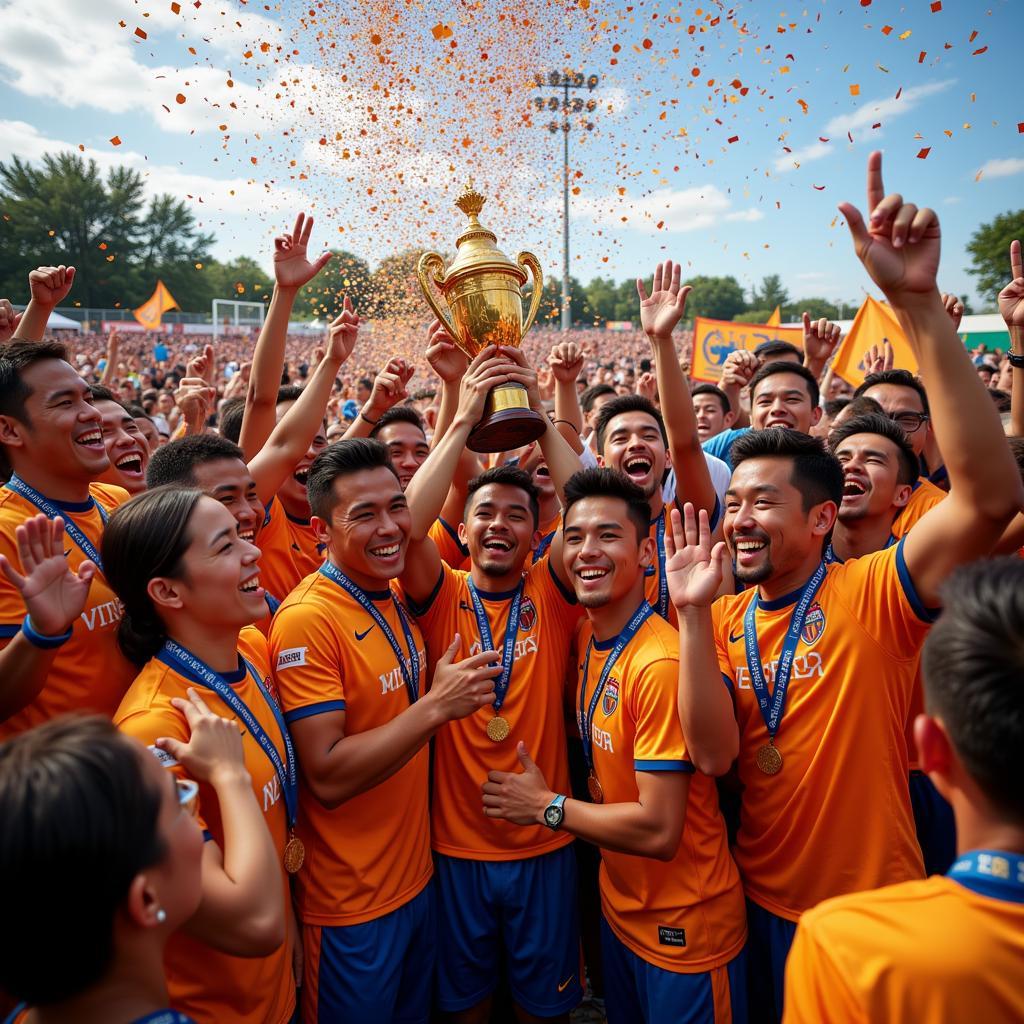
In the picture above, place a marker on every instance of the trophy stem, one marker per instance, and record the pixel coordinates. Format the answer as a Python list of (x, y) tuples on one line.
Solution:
[(508, 421)]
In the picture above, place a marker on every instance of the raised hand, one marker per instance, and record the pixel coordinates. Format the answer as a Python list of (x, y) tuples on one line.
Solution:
[(878, 359), (50, 285), (389, 387), (663, 308), (461, 687), (9, 321), (739, 368), (292, 268), (342, 333), (446, 359), (955, 308), (201, 365), (523, 373), (566, 361), (195, 398), (546, 382), (1011, 298), (214, 751), (821, 337), (900, 244), (54, 596), (694, 569), (647, 386), (490, 368)]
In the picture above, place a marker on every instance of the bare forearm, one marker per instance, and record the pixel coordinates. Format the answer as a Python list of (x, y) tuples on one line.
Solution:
[(23, 671), (1017, 390), (623, 827), (740, 416), (705, 707), (428, 489), (561, 459), (568, 414), (359, 427), (446, 413), (33, 322)]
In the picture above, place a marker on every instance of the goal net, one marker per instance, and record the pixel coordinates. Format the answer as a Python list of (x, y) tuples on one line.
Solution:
[(231, 316)]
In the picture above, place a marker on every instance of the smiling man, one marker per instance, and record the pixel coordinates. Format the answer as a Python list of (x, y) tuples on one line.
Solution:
[(124, 442)]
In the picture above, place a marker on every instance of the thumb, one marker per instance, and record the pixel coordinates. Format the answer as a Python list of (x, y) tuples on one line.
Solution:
[(855, 222), (449, 655), (524, 758), (174, 747), (322, 262), (718, 556), (86, 571)]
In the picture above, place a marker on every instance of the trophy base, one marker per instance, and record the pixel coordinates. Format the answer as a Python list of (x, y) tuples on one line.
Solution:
[(508, 422)]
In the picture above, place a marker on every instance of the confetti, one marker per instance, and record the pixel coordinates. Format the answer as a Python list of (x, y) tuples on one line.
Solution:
[(141, 34), (936, 6), (978, 53), (734, 138), (854, 90), (886, 30), (647, 44), (905, 35), (922, 154), (1020, 127), (819, 188), (440, 31), (175, 8), (180, 98), (116, 140)]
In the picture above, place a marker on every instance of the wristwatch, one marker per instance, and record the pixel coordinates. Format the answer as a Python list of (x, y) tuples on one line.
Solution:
[(1016, 361), (554, 813)]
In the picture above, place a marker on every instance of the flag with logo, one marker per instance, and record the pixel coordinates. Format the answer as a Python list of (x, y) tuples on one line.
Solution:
[(875, 322), (151, 312), (713, 340)]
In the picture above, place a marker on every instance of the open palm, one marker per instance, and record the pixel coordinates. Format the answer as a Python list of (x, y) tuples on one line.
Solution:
[(292, 268), (663, 308), (694, 569)]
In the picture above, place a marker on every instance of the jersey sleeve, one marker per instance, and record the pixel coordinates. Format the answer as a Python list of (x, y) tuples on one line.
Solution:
[(452, 551), (879, 591), (720, 619), (306, 662), (658, 744), (721, 444), (437, 613), (816, 989), (12, 608), (558, 601)]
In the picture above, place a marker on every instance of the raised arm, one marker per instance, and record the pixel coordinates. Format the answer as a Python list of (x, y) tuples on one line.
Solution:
[(566, 362), (1011, 306), (292, 270), (389, 388), (659, 314), (899, 248), (111, 364), (292, 437), (49, 287), (821, 338), (737, 372)]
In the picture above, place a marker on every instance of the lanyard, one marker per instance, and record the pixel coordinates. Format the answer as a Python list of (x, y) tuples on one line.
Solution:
[(51, 511), (198, 671), (508, 648), (542, 548), (993, 873), (831, 556), (771, 710), (586, 713), (412, 680), (662, 580)]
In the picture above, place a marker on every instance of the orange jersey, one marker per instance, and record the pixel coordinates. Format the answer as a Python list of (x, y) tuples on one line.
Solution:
[(837, 817), (685, 915), (931, 952), (89, 673), (371, 855), (924, 498), (210, 986), (446, 538), (657, 596), (278, 573), (463, 754), (307, 551), (547, 531)]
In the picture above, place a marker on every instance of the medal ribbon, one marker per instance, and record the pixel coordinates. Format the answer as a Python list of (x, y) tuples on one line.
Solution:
[(662, 580), (412, 679), (992, 873), (197, 671), (508, 648), (542, 547), (771, 710), (51, 511), (831, 556), (586, 714)]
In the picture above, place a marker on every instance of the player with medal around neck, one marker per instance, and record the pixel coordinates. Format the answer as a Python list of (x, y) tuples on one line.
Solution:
[(190, 587)]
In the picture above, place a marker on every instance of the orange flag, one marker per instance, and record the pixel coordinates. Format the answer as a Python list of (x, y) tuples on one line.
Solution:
[(713, 340), (775, 319), (874, 322), (150, 313)]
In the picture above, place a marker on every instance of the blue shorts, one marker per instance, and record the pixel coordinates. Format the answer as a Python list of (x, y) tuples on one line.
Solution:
[(935, 824), (638, 992), (516, 914), (378, 972), (768, 942)]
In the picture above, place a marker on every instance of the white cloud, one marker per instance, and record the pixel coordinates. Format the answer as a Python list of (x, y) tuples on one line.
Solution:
[(677, 210), (860, 121), (1002, 168)]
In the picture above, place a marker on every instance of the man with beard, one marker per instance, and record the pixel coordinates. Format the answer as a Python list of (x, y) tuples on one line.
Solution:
[(491, 875), (847, 635)]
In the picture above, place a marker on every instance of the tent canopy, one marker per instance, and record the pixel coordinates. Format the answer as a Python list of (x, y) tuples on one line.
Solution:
[(62, 323)]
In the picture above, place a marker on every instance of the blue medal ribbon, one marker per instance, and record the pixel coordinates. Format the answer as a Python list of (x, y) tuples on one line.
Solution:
[(197, 671), (772, 709), (831, 557), (542, 548), (412, 679), (659, 533), (993, 873), (586, 713), (508, 648), (51, 511)]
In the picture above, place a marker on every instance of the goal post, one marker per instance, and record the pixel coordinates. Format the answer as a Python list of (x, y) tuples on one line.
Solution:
[(235, 314)]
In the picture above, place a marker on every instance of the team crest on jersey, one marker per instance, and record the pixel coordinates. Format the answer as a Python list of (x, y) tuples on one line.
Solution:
[(527, 615), (610, 698), (814, 624)]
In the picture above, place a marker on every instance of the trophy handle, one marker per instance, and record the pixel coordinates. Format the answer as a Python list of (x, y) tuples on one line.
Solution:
[(528, 261), (431, 268)]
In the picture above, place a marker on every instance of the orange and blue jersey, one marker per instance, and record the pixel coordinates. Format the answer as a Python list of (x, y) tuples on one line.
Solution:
[(836, 818), (307, 551), (278, 572), (532, 706), (547, 531), (939, 951), (371, 855), (685, 915), (446, 538), (923, 499), (215, 987), (88, 672), (656, 584)]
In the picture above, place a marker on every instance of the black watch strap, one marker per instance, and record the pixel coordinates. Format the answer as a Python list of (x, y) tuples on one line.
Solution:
[(1016, 361)]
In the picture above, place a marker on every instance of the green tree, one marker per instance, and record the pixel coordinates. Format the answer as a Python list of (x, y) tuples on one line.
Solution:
[(346, 274), (754, 316), (818, 307), (990, 253), (720, 298), (769, 295)]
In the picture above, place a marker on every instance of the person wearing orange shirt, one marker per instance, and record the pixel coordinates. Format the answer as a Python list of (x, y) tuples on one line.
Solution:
[(674, 926), (126, 447), (351, 670), (813, 744), (190, 586), (490, 874), (51, 444), (948, 949)]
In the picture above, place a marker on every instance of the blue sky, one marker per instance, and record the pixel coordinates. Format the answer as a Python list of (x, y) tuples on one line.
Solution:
[(369, 117)]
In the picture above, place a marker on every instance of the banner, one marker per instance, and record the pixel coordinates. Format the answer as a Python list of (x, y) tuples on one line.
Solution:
[(152, 310), (874, 322), (713, 340)]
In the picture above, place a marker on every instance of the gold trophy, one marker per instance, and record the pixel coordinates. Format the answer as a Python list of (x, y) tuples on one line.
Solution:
[(481, 304)]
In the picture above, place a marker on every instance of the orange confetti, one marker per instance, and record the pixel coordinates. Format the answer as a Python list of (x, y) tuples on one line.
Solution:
[(819, 188), (1020, 127), (865, 3), (584, 5), (375, 39), (921, 56), (854, 90), (978, 53), (973, 36), (886, 29), (141, 34), (936, 6), (252, 160), (923, 154), (734, 138), (180, 98), (440, 31), (175, 8), (116, 140)]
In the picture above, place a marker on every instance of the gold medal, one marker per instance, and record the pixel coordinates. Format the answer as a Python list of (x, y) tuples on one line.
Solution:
[(294, 854), (498, 729), (769, 760), (594, 789)]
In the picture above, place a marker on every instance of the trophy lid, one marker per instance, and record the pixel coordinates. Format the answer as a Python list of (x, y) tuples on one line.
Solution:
[(477, 248)]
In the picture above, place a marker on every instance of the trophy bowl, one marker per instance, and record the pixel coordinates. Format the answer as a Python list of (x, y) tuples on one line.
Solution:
[(479, 301)]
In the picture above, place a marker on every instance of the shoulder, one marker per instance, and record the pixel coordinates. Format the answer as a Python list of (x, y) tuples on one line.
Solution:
[(254, 647), (311, 592), (109, 495), (146, 706), (729, 607), (659, 641)]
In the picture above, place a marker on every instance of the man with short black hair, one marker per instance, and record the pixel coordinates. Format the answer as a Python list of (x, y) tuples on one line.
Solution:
[(712, 410)]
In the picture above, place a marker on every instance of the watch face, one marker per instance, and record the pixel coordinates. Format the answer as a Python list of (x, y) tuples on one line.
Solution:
[(553, 816)]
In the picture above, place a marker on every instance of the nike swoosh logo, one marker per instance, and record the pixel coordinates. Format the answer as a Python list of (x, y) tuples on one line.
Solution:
[(359, 636), (295, 547), (733, 639), (565, 984)]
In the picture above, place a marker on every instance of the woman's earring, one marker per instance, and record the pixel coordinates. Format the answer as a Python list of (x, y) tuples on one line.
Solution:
[(161, 915)]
